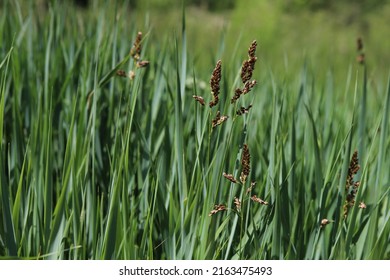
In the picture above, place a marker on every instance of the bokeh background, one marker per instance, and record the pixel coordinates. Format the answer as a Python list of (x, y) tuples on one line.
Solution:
[(323, 32)]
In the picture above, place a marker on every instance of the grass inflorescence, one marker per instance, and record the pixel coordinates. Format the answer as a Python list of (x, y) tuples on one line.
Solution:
[(108, 152)]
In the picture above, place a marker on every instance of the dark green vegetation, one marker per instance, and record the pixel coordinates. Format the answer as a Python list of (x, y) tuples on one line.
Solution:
[(98, 166)]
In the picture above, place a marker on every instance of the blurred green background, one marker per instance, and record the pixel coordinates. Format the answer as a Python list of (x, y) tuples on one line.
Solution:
[(322, 32)]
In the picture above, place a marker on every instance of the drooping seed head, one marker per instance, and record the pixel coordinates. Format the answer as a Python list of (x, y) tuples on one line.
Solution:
[(217, 208), (230, 177)]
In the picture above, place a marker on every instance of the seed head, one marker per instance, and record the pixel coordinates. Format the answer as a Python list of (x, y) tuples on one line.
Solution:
[(360, 58), (135, 51), (359, 44), (218, 119), (217, 208), (253, 184), (245, 163), (200, 99), (236, 96), (248, 86), (362, 205), (259, 200), (360, 49), (214, 84), (324, 222), (142, 63), (243, 110), (252, 49), (237, 202), (121, 73), (230, 177), (351, 187)]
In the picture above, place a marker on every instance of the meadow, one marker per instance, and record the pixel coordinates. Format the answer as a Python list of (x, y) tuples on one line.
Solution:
[(120, 141)]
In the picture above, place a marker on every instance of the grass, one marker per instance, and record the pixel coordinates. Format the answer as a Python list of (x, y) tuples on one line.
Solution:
[(94, 165)]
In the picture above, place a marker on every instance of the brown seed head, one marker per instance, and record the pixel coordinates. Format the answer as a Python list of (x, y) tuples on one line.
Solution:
[(237, 202), (200, 99), (353, 169), (362, 205), (351, 187), (359, 44), (214, 84), (131, 75), (230, 177), (246, 73), (218, 119), (217, 208), (121, 73), (247, 69), (360, 58), (252, 49), (324, 222), (259, 200), (236, 96), (135, 51), (248, 190), (248, 86), (243, 110), (245, 163), (142, 63)]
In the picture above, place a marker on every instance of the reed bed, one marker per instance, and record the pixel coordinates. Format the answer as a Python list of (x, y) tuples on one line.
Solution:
[(111, 147)]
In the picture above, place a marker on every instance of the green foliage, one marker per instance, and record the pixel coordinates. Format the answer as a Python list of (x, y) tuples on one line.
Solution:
[(98, 166)]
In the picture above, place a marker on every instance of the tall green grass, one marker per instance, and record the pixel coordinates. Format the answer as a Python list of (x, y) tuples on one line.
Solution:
[(95, 166)]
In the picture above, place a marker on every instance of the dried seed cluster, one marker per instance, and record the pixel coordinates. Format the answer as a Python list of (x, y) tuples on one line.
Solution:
[(230, 177), (217, 208), (360, 49), (324, 222), (218, 119), (248, 190), (135, 53), (245, 166), (243, 110), (200, 99), (245, 163), (214, 84), (237, 202), (351, 187), (246, 73), (259, 200)]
